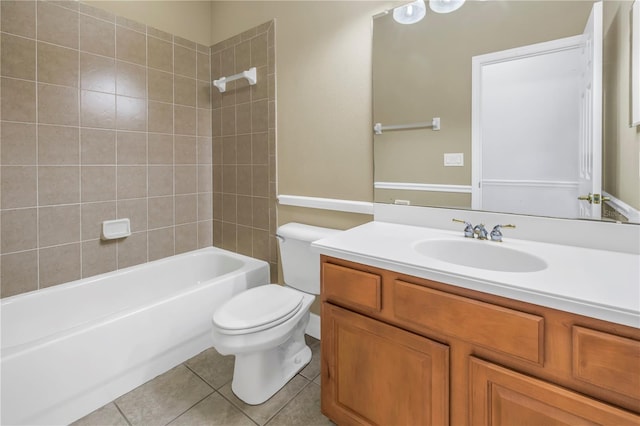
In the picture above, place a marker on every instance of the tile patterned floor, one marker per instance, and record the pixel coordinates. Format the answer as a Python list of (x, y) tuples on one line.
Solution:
[(198, 392)]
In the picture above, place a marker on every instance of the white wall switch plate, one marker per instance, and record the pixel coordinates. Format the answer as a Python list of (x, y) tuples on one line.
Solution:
[(453, 159)]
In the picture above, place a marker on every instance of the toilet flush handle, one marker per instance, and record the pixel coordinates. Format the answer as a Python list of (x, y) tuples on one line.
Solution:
[(280, 237)]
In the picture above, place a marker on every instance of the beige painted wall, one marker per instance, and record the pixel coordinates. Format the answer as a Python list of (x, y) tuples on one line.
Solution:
[(323, 60), (185, 18)]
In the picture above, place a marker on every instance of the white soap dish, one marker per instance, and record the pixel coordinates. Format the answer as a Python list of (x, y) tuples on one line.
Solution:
[(114, 229)]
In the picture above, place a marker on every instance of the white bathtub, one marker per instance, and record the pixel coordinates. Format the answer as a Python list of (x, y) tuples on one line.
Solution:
[(70, 349)]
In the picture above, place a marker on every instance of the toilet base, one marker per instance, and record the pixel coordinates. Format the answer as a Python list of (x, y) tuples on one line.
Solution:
[(257, 376)]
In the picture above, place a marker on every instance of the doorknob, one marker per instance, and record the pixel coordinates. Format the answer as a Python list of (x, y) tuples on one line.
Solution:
[(593, 198), (588, 198), (597, 198)]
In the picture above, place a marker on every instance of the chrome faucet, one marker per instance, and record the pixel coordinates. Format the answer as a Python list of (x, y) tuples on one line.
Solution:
[(480, 231), (468, 228), (496, 234)]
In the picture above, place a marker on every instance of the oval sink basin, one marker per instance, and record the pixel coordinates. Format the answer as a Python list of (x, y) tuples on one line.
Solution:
[(486, 255)]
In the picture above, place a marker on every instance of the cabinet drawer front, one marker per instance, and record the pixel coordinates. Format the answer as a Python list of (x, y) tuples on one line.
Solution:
[(505, 330), (351, 287), (606, 360)]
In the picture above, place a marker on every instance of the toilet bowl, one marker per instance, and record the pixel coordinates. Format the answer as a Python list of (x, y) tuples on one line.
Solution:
[(264, 326)]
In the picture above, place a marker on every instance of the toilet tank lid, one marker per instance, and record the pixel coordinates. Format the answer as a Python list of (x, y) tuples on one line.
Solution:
[(302, 232)]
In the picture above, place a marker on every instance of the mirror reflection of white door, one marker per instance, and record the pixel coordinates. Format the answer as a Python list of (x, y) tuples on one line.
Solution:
[(536, 127), (590, 152)]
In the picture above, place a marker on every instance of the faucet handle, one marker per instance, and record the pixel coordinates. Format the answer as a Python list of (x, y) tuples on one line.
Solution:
[(468, 227), (496, 234), (504, 226)]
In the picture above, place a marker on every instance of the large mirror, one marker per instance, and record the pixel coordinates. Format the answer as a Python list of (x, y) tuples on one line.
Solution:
[(445, 67)]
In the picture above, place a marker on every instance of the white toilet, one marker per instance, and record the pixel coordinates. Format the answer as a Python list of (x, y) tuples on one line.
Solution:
[(264, 326)]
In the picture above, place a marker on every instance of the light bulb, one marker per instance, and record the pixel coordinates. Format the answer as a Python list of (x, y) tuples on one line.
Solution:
[(410, 13), (445, 6)]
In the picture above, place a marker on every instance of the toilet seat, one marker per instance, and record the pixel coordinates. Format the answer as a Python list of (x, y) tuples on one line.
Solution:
[(257, 309)]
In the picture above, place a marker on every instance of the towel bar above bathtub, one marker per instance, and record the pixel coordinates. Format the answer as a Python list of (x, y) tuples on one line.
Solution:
[(249, 74)]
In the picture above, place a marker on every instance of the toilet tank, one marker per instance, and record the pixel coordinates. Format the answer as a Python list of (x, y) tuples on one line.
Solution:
[(300, 265)]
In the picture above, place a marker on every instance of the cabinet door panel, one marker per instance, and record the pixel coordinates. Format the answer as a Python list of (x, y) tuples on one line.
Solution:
[(374, 373), (500, 396)]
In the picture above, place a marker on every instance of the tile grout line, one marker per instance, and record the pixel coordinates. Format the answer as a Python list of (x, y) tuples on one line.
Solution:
[(197, 151), (126, 419), (308, 381), (290, 400), (79, 109), (115, 126), (197, 402), (37, 122), (173, 133), (146, 73), (199, 376), (235, 405)]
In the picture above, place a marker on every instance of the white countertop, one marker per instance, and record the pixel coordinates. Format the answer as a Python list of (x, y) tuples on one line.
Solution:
[(595, 283)]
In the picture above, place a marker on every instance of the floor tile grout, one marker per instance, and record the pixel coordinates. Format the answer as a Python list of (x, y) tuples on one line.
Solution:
[(202, 378), (198, 402), (280, 409), (290, 400), (126, 419)]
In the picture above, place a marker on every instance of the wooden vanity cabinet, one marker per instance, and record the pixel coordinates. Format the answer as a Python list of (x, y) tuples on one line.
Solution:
[(401, 350)]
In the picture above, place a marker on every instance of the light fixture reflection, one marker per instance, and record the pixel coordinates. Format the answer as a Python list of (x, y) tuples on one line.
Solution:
[(445, 6), (410, 13)]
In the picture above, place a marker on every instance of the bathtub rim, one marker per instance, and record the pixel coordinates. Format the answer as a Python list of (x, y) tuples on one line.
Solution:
[(9, 352)]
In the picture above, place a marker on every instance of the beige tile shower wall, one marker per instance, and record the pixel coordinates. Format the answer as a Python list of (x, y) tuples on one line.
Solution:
[(102, 118), (244, 146)]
